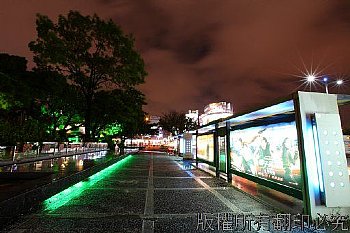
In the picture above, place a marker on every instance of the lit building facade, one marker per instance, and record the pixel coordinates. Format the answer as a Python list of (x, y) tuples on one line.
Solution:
[(193, 115), (152, 119), (215, 111)]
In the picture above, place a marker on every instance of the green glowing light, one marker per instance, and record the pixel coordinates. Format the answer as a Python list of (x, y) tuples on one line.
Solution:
[(112, 129), (74, 139), (4, 104), (77, 189)]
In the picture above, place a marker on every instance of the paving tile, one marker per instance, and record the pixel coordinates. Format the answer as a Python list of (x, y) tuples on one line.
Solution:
[(174, 225), (176, 183), (130, 173), (187, 201), (214, 182), (55, 224), (122, 183), (197, 172), (127, 201), (170, 173), (245, 203)]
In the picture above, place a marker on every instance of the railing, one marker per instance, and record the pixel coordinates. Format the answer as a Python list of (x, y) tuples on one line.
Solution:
[(129, 150), (29, 151)]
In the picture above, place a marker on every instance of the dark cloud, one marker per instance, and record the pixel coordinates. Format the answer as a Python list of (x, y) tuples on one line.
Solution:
[(196, 52), (192, 50)]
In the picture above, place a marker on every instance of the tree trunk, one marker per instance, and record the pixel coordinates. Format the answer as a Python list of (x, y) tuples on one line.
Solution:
[(121, 145), (88, 111), (8, 152), (53, 132), (111, 143), (20, 147), (13, 153)]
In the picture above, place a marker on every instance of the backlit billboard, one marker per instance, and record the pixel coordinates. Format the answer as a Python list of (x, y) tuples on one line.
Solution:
[(206, 147), (269, 152)]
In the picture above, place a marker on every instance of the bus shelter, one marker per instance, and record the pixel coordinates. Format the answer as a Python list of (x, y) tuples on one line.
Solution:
[(294, 146)]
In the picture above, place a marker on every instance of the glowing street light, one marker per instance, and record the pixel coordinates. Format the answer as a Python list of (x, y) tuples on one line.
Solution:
[(339, 82), (311, 78), (326, 82)]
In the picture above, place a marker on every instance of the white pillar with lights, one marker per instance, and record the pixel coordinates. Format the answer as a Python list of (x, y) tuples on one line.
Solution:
[(327, 187)]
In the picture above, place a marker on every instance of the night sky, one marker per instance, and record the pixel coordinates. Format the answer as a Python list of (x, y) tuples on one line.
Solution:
[(196, 52)]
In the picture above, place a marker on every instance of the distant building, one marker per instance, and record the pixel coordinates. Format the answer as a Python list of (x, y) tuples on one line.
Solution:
[(152, 119), (215, 111), (193, 115)]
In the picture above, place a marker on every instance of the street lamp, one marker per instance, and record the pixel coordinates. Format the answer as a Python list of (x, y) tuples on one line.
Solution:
[(339, 82), (310, 79), (326, 83), (146, 119), (325, 80)]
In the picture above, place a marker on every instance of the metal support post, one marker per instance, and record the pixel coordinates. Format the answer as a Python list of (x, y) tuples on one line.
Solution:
[(228, 152), (216, 151)]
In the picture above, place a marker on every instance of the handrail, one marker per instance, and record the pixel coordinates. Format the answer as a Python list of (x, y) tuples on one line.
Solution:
[(47, 156)]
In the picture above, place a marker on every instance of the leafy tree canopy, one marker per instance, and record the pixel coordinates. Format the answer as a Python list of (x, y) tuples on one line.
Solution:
[(35, 105), (176, 122), (93, 54), (11, 64)]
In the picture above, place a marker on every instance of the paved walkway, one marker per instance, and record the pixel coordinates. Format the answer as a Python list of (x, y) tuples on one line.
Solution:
[(146, 193)]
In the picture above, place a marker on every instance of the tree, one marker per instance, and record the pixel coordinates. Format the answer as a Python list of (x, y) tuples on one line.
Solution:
[(11, 64), (176, 122), (117, 113), (17, 106), (133, 121), (59, 102), (12, 90), (117, 107), (35, 106), (150, 129), (92, 53)]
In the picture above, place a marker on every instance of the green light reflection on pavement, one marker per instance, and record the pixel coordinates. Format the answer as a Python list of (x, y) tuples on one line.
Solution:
[(77, 189)]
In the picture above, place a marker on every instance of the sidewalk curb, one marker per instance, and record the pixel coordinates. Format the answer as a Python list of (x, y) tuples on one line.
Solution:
[(30, 200)]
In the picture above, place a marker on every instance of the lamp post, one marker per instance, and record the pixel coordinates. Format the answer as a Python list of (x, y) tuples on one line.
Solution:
[(326, 82), (311, 78)]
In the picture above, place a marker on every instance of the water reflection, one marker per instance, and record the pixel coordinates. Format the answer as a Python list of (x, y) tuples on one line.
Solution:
[(187, 165), (60, 166)]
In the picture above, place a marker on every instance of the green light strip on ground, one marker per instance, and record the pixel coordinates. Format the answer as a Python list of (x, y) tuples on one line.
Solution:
[(77, 189)]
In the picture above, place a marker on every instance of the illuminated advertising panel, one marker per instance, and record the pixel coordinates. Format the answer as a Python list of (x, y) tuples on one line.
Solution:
[(269, 152), (206, 147), (182, 145), (222, 153), (193, 144)]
